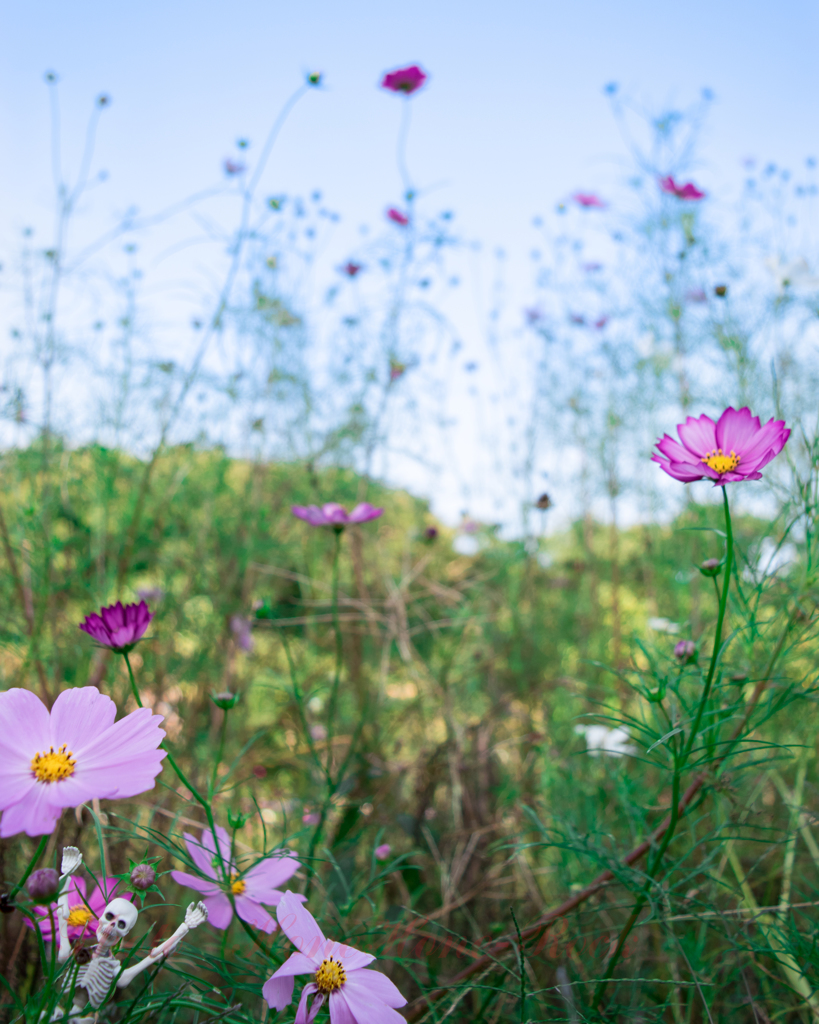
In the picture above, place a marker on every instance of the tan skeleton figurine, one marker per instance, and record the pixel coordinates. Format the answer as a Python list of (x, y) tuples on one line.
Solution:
[(103, 969)]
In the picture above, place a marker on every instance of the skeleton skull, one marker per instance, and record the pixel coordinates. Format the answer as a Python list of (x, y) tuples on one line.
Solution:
[(118, 918)]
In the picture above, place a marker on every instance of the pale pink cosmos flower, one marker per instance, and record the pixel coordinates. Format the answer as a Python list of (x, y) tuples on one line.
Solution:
[(734, 448), (355, 995), (311, 818), (335, 515), (118, 626), (84, 913), (250, 889), (589, 201), (397, 217), (71, 755), (687, 191), (407, 80), (351, 268), (382, 851)]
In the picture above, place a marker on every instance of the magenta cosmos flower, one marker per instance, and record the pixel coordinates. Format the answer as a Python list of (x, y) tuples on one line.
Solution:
[(734, 448), (406, 80), (356, 996), (687, 191), (70, 755), (250, 888), (397, 217), (333, 514), (118, 626), (84, 913), (589, 201)]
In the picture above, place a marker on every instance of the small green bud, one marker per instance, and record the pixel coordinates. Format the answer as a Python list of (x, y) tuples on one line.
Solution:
[(236, 820), (314, 78), (711, 567), (226, 700)]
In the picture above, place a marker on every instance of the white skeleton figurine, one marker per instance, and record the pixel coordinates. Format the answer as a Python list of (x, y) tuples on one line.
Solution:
[(116, 921)]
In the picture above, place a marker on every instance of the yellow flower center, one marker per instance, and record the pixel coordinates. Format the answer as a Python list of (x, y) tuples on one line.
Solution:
[(720, 462), (79, 917), (330, 976), (237, 886), (54, 765)]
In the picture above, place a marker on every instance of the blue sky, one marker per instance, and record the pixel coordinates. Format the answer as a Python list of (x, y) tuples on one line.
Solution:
[(512, 120)]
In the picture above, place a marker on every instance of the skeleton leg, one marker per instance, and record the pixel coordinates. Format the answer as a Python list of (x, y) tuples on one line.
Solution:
[(195, 915)]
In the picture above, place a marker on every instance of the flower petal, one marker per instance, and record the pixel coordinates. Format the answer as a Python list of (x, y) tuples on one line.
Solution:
[(202, 858), (80, 714), (264, 878), (199, 884), (698, 435), (278, 991), (299, 925), (378, 984), (736, 430), (334, 514), (36, 815), (311, 514), (364, 512), (24, 723), (364, 1005), (220, 911), (254, 914), (223, 840)]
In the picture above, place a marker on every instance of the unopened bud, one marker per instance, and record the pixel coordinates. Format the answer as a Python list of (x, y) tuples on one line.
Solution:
[(236, 820), (143, 877), (685, 650), (314, 78), (226, 700), (43, 885), (710, 567)]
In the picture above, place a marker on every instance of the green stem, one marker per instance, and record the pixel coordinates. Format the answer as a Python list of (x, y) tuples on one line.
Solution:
[(679, 765), (331, 716), (37, 854), (219, 753), (134, 689)]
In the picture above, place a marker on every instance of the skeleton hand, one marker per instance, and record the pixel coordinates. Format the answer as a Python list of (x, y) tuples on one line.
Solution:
[(195, 915), (72, 858)]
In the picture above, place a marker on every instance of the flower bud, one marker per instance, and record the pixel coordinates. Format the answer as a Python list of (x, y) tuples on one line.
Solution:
[(382, 851), (430, 534), (236, 820), (143, 877), (710, 567), (43, 885), (685, 651), (314, 78), (226, 700)]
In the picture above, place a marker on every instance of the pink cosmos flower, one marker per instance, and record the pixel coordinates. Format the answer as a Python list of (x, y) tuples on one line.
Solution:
[(355, 995), (588, 200), (250, 889), (407, 80), (233, 167), (84, 914), (351, 268), (734, 448), (382, 851), (311, 818), (118, 626), (333, 514), (397, 217), (71, 755), (687, 191)]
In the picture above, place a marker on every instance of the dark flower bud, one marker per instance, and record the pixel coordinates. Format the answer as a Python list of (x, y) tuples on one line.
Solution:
[(43, 885), (226, 700), (430, 533), (685, 651), (143, 877), (710, 567), (721, 290)]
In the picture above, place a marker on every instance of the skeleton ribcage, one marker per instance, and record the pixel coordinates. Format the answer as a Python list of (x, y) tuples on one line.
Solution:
[(96, 978)]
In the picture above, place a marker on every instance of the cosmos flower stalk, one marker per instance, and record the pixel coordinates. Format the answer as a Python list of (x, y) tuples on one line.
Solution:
[(733, 449)]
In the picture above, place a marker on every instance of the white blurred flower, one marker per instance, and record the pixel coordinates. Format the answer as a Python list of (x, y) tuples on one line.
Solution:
[(602, 740), (795, 275), (663, 626)]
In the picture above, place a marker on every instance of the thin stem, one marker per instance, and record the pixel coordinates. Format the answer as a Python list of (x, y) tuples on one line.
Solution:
[(331, 717), (679, 765), (219, 752), (37, 854), (134, 689)]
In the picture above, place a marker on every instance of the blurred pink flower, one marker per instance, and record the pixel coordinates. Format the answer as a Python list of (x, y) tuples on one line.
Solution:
[(311, 818), (601, 322), (84, 913), (733, 449), (333, 514), (382, 851), (407, 80), (592, 268), (397, 217), (118, 626), (233, 167), (70, 755), (576, 318), (351, 268), (218, 875), (589, 200), (687, 191), (240, 627), (397, 369), (355, 995), (696, 295), (533, 315)]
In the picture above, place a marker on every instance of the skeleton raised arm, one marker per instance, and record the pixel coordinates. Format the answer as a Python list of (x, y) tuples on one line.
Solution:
[(72, 859), (195, 915)]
